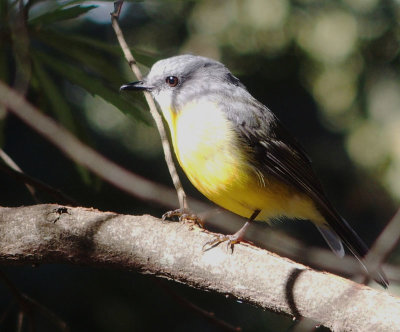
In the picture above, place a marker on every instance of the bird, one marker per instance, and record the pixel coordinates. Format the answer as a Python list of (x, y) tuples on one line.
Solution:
[(239, 155)]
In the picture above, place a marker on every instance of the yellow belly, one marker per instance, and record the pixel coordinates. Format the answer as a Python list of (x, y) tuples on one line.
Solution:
[(209, 152)]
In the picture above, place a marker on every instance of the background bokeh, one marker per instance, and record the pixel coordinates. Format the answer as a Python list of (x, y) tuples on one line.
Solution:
[(328, 69)]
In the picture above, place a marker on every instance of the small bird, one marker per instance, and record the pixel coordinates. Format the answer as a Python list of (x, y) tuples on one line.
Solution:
[(237, 153)]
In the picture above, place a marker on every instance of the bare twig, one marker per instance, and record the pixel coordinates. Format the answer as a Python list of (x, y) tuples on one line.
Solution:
[(385, 243), (12, 165), (33, 182), (94, 238), (168, 157), (20, 321), (46, 312), (6, 312), (152, 106), (28, 306)]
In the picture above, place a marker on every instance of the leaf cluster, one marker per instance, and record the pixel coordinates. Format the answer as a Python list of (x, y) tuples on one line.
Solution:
[(40, 57)]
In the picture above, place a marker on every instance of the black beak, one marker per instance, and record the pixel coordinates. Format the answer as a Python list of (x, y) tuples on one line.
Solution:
[(136, 86)]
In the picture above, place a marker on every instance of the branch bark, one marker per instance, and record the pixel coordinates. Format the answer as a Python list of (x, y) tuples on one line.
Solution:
[(52, 233)]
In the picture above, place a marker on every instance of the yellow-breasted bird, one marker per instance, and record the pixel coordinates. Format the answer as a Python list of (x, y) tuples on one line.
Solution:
[(237, 153)]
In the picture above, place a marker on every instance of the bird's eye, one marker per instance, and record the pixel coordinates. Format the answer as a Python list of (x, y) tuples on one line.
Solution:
[(172, 81)]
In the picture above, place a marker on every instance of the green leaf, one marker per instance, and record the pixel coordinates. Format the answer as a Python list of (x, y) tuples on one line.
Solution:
[(94, 60), (94, 85), (61, 41), (81, 1), (58, 106), (61, 14), (4, 66), (57, 101)]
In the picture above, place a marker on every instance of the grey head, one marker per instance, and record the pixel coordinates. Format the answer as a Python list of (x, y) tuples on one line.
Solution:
[(179, 79)]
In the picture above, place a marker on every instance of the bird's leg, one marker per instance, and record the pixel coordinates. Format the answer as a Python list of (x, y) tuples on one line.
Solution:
[(233, 238), (185, 216)]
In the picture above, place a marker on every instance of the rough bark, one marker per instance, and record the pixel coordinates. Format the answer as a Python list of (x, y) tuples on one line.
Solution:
[(52, 233)]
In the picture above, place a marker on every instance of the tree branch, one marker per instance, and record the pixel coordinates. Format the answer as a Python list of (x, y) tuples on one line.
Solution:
[(51, 233)]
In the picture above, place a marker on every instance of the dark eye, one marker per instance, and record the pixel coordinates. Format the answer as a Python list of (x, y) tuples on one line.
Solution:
[(172, 81)]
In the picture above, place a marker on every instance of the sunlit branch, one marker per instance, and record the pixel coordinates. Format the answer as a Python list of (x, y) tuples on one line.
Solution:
[(92, 238)]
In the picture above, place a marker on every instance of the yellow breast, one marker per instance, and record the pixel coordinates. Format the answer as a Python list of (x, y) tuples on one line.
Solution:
[(216, 162), (204, 143)]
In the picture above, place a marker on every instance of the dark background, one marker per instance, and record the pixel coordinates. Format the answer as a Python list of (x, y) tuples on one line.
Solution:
[(329, 70)]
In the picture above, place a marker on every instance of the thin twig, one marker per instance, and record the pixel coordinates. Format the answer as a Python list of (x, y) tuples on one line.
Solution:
[(27, 306), (13, 166), (152, 106), (384, 245), (170, 163), (33, 182), (20, 320), (48, 313), (6, 312)]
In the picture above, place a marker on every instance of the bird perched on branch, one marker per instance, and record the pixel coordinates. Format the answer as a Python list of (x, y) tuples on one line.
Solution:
[(237, 153)]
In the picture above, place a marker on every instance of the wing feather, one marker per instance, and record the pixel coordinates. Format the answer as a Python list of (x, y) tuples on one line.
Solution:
[(278, 154)]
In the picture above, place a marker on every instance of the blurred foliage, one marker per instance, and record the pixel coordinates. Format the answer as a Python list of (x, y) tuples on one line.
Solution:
[(329, 69), (350, 63), (45, 56), (349, 53)]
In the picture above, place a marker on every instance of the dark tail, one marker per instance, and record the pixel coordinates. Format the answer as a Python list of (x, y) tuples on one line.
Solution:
[(357, 246)]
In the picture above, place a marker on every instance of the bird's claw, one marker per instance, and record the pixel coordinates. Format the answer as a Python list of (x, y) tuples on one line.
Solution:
[(184, 216), (170, 214), (230, 240)]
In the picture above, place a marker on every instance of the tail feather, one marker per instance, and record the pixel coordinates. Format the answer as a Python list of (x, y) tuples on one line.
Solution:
[(332, 239), (357, 247)]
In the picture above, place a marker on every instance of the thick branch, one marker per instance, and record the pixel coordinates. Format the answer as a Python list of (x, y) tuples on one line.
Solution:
[(50, 233)]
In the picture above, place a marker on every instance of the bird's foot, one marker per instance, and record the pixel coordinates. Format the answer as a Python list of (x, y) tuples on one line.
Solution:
[(185, 216), (230, 240)]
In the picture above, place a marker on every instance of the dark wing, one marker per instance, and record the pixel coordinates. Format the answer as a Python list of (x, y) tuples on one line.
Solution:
[(276, 152), (280, 155)]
